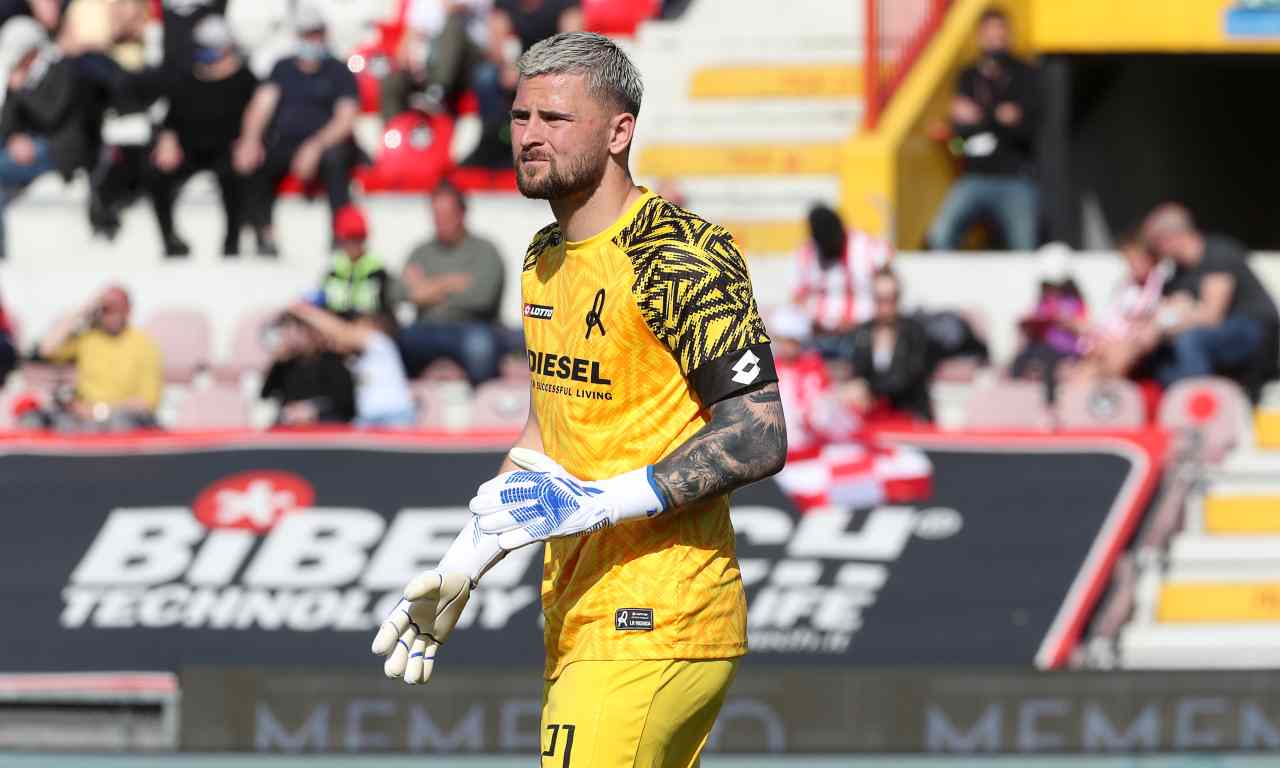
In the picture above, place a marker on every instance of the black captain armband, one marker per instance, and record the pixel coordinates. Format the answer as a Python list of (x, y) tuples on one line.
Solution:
[(729, 374)]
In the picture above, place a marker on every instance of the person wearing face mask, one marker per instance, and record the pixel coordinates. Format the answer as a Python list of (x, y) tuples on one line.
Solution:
[(994, 116), (203, 121), (299, 122)]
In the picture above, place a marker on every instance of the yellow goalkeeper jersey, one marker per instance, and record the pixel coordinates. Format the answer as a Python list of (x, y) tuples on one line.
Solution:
[(631, 336)]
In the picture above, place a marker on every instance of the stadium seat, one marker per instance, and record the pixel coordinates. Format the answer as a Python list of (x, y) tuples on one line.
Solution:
[(1216, 410), (442, 405), (1113, 404), (442, 369), (217, 407), (500, 405), (414, 155), (1008, 405), (618, 17), (247, 352), (185, 339)]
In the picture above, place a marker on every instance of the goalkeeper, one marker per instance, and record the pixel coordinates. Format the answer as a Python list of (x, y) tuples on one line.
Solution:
[(653, 396)]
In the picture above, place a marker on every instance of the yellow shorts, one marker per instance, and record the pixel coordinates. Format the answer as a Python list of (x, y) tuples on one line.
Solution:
[(637, 714)]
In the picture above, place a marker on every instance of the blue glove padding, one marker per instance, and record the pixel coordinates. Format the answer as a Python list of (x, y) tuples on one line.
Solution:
[(541, 500)]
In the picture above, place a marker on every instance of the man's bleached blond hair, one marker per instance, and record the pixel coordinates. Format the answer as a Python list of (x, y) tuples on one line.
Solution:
[(610, 74)]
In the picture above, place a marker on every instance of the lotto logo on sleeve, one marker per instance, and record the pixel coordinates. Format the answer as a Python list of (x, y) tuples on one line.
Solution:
[(747, 369), (538, 311), (635, 619)]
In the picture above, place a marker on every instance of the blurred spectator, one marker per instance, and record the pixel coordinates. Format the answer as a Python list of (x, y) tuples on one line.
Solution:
[(299, 122), (48, 122), (890, 357), (443, 44), (812, 417), (382, 389), (1126, 335), (181, 20), (8, 347), (357, 282), (119, 376), (310, 382), (455, 280), (1052, 333), (994, 116), (833, 275), (1216, 316), (514, 27), (831, 458), (203, 121), (47, 12)]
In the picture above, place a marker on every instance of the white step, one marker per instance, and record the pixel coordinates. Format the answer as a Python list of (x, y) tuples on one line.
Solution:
[(795, 17), (1196, 557), (762, 198), (1257, 469), (1200, 646), (754, 120)]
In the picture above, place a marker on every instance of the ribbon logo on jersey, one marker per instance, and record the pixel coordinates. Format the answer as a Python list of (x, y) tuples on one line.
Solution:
[(593, 314)]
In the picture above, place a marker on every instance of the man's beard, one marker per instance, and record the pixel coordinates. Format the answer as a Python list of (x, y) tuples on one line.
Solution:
[(581, 174)]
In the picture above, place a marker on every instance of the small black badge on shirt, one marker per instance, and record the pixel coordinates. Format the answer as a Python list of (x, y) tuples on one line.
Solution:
[(639, 619), (538, 311)]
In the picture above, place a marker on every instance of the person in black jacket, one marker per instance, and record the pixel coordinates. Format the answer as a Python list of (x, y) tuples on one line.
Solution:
[(994, 115), (205, 110), (890, 354), (299, 122), (51, 119), (1217, 317), (311, 383)]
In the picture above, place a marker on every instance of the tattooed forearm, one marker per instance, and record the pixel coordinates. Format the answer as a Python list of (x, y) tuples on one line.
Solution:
[(744, 442)]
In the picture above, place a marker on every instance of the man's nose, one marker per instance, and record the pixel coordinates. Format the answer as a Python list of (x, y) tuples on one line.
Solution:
[(534, 133)]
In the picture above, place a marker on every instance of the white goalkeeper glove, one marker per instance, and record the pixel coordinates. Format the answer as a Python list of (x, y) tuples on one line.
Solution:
[(421, 621), (542, 500)]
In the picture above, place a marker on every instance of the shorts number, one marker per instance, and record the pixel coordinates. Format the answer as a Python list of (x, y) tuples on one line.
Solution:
[(555, 729)]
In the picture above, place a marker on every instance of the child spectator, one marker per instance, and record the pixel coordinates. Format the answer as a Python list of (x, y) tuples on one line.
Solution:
[(1053, 330), (357, 282)]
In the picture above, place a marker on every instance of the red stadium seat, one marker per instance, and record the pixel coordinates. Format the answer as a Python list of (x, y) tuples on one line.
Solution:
[(414, 156), (1216, 410), (292, 185), (470, 179), (500, 405), (219, 407), (370, 64), (1114, 404), (247, 351), (618, 17), (1008, 405), (184, 337)]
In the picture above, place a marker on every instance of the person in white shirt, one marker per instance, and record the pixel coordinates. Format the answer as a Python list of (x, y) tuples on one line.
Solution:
[(1128, 332), (383, 398)]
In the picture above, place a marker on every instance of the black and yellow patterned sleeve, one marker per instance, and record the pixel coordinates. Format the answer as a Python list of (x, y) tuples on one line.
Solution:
[(692, 286)]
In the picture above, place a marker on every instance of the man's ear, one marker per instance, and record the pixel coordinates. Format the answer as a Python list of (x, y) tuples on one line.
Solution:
[(622, 129)]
